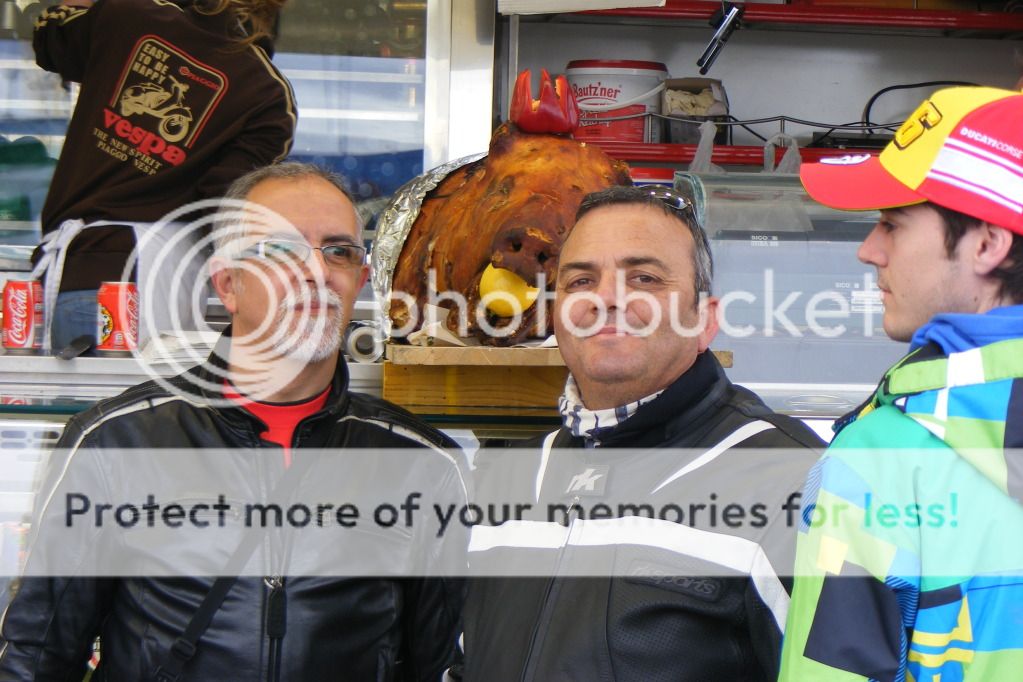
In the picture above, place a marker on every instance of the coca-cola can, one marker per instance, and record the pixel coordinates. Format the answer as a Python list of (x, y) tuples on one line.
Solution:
[(12, 547), (117, 318), (23, 317)]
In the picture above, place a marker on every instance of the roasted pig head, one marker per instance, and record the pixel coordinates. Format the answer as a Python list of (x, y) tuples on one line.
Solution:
[(509, 211)]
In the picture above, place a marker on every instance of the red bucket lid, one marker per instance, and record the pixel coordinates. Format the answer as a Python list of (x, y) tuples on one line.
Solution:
[(615, 64), (643, 174)]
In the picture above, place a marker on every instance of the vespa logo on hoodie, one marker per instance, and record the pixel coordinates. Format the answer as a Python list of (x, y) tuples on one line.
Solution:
[(160, 105)]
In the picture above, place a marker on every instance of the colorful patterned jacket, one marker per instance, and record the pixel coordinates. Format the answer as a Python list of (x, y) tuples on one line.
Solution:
[(910, 556)]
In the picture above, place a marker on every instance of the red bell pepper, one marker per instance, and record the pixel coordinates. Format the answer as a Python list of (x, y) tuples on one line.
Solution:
[(555, 112)]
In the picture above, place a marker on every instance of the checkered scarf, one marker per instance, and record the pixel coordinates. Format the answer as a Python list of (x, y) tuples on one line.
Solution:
[(594, 425)]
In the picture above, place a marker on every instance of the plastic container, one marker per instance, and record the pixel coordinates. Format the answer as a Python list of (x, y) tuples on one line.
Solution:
[(607, 89)]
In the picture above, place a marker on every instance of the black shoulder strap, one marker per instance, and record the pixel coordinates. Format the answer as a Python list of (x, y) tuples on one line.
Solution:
[(184, 647)]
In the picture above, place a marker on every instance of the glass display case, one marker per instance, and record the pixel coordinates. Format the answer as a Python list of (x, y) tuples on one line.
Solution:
[(801, 315), (358, 69), (34, 110)]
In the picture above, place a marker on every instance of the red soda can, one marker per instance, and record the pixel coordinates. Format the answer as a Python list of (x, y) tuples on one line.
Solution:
[(117, 318), (12, 547), (23, 316)]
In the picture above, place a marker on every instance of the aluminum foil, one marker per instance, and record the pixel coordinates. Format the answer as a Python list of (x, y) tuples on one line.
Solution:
[(393, 227)]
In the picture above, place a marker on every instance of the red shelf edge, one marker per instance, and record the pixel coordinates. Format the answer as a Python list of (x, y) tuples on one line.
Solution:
[(1002, 22), (737, 155)]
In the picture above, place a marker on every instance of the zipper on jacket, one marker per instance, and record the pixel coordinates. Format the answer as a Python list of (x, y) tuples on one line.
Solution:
[(275, 623), (276, 616), (542, 623)]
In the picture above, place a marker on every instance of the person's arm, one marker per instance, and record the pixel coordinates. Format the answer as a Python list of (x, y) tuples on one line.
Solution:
[(764, 631), (768, 592), (431, 627), (51, 622), (432, 620), (63, 36), (845, 622), (49, 627), (265, 138)]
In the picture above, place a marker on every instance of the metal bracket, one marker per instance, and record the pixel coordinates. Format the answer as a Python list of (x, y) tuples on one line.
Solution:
[(726, 20)]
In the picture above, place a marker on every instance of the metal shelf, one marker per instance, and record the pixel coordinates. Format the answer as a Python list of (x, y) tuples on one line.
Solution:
[(38, 384), (736, 155), (803, 15)]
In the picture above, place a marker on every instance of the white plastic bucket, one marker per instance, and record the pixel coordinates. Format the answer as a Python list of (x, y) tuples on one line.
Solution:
[(608, 89)]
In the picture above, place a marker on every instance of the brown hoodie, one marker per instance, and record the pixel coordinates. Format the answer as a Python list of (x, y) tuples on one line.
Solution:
[(171, 110)]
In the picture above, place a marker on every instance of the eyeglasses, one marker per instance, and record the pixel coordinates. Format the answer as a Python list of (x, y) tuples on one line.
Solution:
[(288, 251)]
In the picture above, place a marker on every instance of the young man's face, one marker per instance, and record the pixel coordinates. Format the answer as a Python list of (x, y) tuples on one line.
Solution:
[(917, 278), (297, 307), (634, 350)]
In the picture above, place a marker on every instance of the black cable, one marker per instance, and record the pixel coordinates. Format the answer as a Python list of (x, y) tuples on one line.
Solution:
[(828, 133), (894, 125), (732, 122), (864, 125), (733, 119), (865, 118)]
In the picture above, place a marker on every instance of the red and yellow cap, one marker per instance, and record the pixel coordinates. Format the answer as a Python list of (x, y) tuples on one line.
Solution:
[(961, 149)]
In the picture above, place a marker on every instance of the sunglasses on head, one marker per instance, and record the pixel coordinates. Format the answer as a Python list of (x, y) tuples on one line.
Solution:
[(672, 200)]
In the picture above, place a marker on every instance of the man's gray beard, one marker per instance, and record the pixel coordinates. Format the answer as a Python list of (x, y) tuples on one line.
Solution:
[(309, 338)]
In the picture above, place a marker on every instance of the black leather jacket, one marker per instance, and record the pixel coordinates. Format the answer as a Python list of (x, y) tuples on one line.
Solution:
[(647, 613), (335, 628)]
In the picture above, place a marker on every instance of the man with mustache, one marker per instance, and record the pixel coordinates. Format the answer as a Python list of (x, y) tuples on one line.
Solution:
[(269, 416), (909, 565), (669, 558)]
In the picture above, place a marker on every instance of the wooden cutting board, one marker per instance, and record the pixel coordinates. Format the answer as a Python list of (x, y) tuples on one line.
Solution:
[(478, 380), (475, 355)]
